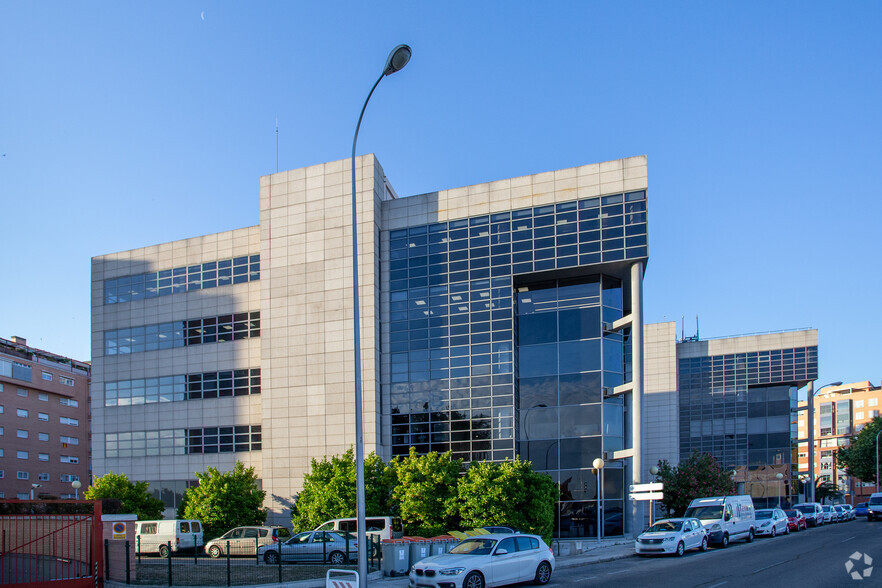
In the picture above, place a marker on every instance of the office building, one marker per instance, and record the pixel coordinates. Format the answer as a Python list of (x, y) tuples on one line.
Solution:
[(840, 413), (497, 319), (44, 422), (733, 397)]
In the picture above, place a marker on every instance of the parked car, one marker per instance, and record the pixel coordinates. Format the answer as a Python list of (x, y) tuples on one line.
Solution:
[(334, 547), (840, 513), (829, 514), (726, 518), (245, 540), (771, 521), (860, 510), (795, 520), (487, 560), (500, 529), (814, 514), (874, 506), (167, 536), (672, 536)]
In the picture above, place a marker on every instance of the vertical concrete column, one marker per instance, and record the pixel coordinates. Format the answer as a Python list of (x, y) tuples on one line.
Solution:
[(637, 394)]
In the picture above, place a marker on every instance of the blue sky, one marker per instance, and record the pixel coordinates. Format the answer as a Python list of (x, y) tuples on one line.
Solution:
[(126, 124)]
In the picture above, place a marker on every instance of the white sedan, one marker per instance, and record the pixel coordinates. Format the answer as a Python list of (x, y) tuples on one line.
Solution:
[(771, 521), (672, 536), (486, 560)]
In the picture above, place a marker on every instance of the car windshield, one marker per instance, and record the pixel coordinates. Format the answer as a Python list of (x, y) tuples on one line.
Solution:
[(474, 547), (792, 513), (875, 500), (862, 505), (763, 514), (826, 508), (805, 508), (705, 512), (665, 527)]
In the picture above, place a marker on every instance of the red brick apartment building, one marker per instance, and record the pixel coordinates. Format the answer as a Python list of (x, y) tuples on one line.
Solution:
[(44, 423)]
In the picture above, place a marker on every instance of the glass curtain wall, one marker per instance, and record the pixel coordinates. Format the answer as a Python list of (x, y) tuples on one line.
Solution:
[(564, 361)]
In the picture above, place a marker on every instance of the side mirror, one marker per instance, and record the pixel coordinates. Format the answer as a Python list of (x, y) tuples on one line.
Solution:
[(501, 551), (727, 517)]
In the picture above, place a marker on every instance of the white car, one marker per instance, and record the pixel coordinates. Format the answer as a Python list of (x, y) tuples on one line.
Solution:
[(496, 559), (771, 521), (672, 536)]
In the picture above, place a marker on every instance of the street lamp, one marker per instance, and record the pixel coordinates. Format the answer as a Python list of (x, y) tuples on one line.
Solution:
[(76, 485), (397, 59), (34, 487), (654, 472), (598, 465), (811, 429), (779, 476)]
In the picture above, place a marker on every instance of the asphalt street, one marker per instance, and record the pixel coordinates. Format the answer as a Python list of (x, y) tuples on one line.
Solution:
[(813, 558)]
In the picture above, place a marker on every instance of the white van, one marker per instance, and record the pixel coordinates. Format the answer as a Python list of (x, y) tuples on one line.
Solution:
[(381, 527), (726, 518), (155, 536)]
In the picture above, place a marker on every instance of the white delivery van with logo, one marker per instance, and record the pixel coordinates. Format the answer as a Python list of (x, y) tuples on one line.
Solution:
[(726, 518)]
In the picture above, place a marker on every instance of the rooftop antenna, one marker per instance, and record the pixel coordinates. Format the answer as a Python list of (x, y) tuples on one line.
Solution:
[(697, 338), (277, 145), (683, 328)]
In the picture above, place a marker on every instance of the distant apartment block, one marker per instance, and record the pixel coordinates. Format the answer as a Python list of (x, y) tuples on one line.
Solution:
[(44, 422), (840, 413)]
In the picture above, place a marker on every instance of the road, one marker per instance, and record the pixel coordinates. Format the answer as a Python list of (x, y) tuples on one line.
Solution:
[(812, 558)]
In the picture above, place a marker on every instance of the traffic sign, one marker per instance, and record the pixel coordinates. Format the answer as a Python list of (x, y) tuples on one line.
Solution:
[(653, 487), (647, 495)]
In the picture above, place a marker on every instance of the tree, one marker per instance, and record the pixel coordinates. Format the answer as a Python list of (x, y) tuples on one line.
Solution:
[(133, 496), (859, 458), (426, 492), (222, 501), (508, 493), (698, 476), (826, 489), (329, 491)]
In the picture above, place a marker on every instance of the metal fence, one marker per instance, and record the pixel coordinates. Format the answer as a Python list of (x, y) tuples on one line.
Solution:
[(237, 565)]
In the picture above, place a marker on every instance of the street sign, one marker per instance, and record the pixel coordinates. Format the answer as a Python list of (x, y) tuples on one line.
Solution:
[(653, 487), (647, 495)]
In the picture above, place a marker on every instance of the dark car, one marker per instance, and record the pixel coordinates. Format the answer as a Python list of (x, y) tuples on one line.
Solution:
[(500, 529), (861, 509), (795, 520)]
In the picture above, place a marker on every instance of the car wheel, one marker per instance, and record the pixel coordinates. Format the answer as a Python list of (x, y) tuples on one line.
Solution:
[(774, 531), (681, 549), (751, 536), (703, 544), (473, 580), (214, 551), (271, 558), (337, 558), (163, 551), (543, 573), (725, 542), (787, 530)]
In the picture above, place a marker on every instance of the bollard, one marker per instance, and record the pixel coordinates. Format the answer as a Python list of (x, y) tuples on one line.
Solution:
[(128, 566), (169, 564)]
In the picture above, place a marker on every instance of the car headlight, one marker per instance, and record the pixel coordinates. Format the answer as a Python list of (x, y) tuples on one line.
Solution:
[(451, 571), (668, 538), (715, 527)]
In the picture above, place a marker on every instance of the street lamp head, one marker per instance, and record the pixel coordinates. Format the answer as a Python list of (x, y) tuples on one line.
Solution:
[(397, 59), (779, 475), (598, 464), (76, 484), (653, 470)]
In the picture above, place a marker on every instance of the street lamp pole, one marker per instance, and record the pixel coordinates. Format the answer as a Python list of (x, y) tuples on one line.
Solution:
[(779, 476), (397, 59), (877, 459), (598, 465), (811, 430)]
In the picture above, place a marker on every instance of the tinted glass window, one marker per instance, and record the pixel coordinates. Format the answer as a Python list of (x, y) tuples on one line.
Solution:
[(525, 543), (250, 533), (185, 527), (375, 524), (508, 545)]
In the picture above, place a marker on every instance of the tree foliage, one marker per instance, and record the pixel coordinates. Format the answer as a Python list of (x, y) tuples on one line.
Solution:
[(859, 458), (826, 489), (222, 501), (426, 492), (329, 491), (698, 476), (508, 493), (133, 496)]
